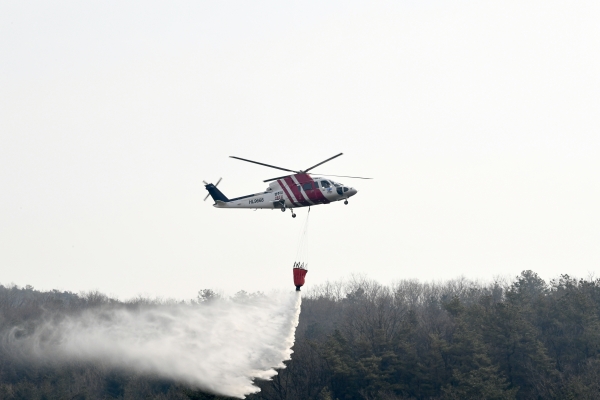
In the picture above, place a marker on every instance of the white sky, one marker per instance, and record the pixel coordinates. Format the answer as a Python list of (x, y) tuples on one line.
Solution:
[(479, 121)]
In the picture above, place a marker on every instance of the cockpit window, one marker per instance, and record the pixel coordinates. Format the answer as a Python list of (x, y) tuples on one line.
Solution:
[(345, 189), (307, 186), (325, 184)]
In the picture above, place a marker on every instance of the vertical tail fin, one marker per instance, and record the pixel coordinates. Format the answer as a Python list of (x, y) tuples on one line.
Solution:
[(215, 193)]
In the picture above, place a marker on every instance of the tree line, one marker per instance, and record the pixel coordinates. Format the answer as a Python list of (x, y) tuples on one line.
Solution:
[(361, 340)]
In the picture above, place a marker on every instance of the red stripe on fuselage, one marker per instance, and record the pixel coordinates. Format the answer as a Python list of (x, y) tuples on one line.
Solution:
[(303, 191), (314, 195), (294, 188), (287, 193)]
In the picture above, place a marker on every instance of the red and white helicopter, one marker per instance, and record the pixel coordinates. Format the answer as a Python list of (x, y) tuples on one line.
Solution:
[(299, 189)]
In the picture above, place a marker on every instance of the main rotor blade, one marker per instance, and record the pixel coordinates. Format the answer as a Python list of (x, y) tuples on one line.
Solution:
[(266, 165), (322, 162), (274, 179), (342, 176)]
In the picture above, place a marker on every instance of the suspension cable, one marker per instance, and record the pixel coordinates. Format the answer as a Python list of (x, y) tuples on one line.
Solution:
[(302, 253)]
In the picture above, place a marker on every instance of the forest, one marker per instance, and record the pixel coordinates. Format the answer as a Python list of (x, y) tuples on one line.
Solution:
[(357, 339)]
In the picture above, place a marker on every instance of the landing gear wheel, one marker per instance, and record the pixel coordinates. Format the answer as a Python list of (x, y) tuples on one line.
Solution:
[(346, 202), (282, 209), (293, 215)]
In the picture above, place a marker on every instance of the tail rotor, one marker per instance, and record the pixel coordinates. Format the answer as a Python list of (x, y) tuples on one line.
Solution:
[(206, 184)]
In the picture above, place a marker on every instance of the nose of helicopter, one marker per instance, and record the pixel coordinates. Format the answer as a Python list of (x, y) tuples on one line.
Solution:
[(352, 192)]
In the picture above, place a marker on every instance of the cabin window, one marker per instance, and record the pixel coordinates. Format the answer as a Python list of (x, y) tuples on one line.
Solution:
[(316, 184), (307, 186), (325, 184)]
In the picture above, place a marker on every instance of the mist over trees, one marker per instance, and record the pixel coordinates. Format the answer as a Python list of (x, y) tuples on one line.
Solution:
[(358, 339)]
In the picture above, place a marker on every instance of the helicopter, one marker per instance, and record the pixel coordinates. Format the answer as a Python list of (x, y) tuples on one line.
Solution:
[(299, 189)]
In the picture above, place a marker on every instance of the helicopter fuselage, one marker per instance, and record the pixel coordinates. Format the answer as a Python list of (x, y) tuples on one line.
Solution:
[(298, 190)]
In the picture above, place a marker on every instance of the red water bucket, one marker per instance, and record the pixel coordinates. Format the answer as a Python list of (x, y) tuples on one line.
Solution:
[(299, 274)]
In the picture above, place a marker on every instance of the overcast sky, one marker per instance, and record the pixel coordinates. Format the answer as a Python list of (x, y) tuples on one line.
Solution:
[(478, 120)]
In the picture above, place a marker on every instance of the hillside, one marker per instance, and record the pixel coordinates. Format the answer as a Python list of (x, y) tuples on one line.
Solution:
[(359, 339)]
